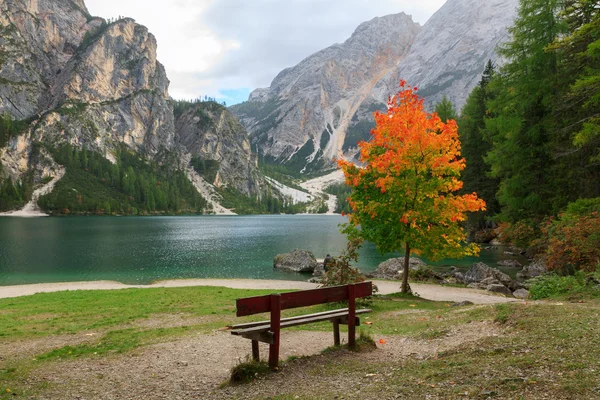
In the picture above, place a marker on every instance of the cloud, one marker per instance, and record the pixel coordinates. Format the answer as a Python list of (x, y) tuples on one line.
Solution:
[(211, 47)]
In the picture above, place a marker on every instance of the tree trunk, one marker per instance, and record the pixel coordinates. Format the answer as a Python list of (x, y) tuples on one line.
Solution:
[(404, 288)]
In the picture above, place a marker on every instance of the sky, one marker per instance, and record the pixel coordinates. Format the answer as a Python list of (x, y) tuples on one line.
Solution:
[(227, 48)]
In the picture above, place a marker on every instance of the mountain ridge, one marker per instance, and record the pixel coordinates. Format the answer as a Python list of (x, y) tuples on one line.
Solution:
[(443, 57)]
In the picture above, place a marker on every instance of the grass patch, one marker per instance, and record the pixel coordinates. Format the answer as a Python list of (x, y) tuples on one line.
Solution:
[(248, 371), (115, 342)]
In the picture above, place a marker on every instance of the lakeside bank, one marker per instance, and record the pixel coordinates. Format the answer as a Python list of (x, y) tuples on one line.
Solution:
[(426, 291)]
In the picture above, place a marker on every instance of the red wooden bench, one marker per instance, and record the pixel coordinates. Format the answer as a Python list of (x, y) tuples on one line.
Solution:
[(269, 331)]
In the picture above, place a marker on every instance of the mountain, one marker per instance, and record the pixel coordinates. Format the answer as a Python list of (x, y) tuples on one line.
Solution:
[(302, 117), (323, 106), (70, 79)]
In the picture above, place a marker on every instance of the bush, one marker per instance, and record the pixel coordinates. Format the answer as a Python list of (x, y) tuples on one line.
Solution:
[(553, 285), (571, 242), (339, 271), (521, 234)]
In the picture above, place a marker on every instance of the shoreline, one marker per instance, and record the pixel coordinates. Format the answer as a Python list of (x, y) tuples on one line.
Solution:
[(426, 291)]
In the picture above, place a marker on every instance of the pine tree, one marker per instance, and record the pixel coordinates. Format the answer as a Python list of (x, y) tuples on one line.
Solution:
[(475, 146), (521, 126), (577, 113), (445, 110)]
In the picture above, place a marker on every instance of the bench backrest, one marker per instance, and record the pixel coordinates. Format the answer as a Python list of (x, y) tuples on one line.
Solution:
[(261, 304)]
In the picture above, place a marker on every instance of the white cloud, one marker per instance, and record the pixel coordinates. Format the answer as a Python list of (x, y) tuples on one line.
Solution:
[(209, 46)]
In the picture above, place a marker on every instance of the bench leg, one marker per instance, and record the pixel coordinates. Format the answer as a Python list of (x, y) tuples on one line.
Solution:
[(336, 332), (275, 328), (255, 351), (351, 317)]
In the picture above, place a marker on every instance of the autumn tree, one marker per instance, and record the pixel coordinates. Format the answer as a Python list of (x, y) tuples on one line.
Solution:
[(404, 196)]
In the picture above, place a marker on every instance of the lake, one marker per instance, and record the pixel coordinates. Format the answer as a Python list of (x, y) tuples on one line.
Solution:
[(140, 250)]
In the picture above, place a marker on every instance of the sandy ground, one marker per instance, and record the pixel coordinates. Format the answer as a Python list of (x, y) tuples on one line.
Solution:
[(426, 291), (31, 209)]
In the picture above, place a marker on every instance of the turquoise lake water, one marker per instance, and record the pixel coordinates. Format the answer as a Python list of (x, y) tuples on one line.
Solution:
[(140, 250)]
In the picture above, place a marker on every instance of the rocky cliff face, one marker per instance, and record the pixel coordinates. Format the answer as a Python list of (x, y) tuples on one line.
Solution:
[(209, 132), (323, 106), (304, 115), (449, 54), (80, 80)]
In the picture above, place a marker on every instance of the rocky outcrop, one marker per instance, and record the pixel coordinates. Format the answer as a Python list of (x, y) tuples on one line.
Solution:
[(481, 276), (448, 56), (296, 261), (207, 130), (394, 267), (324, 105), (535, 268)]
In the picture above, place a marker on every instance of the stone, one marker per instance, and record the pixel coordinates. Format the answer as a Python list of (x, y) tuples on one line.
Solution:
[(535, 268), (296, 261), (510, 264), (521, 293), (392, 268), (482, 274), (462, 303), (497, 288)]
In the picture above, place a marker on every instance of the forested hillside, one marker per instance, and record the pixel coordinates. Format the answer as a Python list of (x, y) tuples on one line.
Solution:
[(530, 133)]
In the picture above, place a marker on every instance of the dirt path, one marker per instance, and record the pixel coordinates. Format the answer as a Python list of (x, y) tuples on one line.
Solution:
[(195, 366), (426, 291)]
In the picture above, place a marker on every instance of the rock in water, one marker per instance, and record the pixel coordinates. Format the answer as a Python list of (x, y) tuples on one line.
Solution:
[(392, 268), (536, 268), (296, 261), (510, 263)]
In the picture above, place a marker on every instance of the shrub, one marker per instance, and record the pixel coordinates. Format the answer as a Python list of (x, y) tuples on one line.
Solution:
[(521, 234), (339, 271), (552, 285), (573, 242)]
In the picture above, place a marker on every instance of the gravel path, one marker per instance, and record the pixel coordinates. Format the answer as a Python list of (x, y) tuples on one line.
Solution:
[(426, 291), (194, 367)]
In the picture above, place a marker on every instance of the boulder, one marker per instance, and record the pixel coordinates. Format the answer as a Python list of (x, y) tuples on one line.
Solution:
[(497, 288), (536, 268), (510, 264), (480, 273), (296, 261), (521, 293), (392, 268)]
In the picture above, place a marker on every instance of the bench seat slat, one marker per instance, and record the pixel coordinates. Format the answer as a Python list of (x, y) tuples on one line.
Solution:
[(251, 324), (295, 321)]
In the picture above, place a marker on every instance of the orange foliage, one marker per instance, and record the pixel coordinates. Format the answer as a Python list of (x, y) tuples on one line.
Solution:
[(405, 192)]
